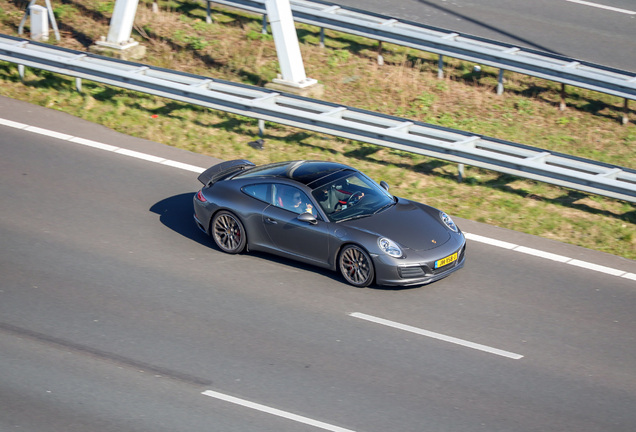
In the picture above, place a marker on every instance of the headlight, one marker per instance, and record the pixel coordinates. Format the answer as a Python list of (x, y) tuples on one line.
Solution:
[(389, 247), (448, 221)]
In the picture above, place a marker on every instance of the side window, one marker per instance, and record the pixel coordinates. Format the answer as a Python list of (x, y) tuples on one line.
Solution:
[(292, 199), (258, 191)]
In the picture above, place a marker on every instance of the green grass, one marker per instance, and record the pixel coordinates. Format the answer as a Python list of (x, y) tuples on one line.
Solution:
[(233, 48)]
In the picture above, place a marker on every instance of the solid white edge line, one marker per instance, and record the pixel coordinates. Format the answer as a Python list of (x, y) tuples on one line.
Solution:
[(274, 411), (631, 276), (542, 254), (183, 166), (600, 6), (13, 124), (139, 155), (437, 336), (493, 242), (94, 144), (547, 255), (49, 133), (596, 267)]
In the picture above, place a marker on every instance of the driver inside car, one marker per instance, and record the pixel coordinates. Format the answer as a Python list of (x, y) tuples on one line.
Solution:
[(334, 198)]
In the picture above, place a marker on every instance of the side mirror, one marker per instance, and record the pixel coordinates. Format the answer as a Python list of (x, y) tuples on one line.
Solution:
[(384, 185), (307, 217)]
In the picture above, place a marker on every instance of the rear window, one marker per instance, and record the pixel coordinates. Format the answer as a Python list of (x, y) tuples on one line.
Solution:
[(266, 170)]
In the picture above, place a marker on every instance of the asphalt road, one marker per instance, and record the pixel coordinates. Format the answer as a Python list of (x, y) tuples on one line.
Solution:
[(116, 314), (602, 36)]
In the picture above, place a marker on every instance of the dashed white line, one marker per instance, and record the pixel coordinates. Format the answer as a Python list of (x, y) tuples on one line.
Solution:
[(439, 336), (600, 6), (274, 411), (196, 169)]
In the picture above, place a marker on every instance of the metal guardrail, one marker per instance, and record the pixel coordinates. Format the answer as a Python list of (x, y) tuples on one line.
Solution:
[(329, 118), (552, 67)]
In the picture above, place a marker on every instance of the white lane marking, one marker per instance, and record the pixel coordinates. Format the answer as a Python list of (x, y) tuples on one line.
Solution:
[(49, 133), (94, 144), (493, 242), (180, 165), (138, 155), (548, 255), (102, 146), (274, 411), (183, 166), (542, 254), (596, 267), (600, 6), (436, 335), (13, 124)]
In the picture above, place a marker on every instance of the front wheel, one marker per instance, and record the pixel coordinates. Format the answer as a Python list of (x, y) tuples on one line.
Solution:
[(228, 232), (356, 266)]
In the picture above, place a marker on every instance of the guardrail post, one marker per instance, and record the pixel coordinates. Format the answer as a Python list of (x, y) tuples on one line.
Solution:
[(261, 128), (500, 87), (460, 172), (322, 37), (380, 58), (562, 104), (208, 15), (78, 85), (21, 72), (264, 26), (626, 112), (440, 67)]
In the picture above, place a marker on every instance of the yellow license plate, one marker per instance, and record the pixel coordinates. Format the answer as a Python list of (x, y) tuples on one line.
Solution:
[(445, 261)]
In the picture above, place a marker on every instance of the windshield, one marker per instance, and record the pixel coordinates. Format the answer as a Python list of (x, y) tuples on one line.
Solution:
[(352, 196)]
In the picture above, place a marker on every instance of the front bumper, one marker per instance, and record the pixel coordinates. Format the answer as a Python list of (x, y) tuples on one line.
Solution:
[(391, 272)]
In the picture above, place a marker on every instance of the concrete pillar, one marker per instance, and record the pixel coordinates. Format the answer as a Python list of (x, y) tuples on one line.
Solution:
[(291, 63), (122, 22), (118, 43)]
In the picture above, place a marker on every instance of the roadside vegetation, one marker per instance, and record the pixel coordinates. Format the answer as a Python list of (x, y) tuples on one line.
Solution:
[(233, 48)]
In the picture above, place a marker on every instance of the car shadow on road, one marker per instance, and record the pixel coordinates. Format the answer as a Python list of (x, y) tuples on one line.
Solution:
[(176, 213)]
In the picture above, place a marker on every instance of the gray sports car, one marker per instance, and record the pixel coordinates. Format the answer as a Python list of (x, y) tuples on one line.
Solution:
[(329, 215)]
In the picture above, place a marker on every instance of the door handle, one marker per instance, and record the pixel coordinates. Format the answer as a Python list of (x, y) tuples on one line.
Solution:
[(270, 221)]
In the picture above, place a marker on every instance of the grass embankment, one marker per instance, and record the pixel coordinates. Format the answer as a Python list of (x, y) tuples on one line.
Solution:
[(233, 48)]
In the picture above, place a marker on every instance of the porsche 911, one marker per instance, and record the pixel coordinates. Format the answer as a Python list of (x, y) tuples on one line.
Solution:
[(329, 215)]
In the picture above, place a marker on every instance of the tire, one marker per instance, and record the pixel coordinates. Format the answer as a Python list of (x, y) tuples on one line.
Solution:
[(228, 232), (356, 266)]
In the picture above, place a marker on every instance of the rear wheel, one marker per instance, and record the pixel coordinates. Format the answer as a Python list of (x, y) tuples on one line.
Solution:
[(356, 266), (228, 232)]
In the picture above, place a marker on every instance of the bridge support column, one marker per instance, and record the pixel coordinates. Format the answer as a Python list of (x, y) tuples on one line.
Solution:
[(118, 43), (292, 78)]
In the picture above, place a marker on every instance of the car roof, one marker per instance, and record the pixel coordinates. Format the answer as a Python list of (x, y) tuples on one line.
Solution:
[(303, 171)]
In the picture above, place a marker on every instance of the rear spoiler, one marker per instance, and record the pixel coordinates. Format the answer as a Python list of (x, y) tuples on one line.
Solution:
[(223, 170)]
